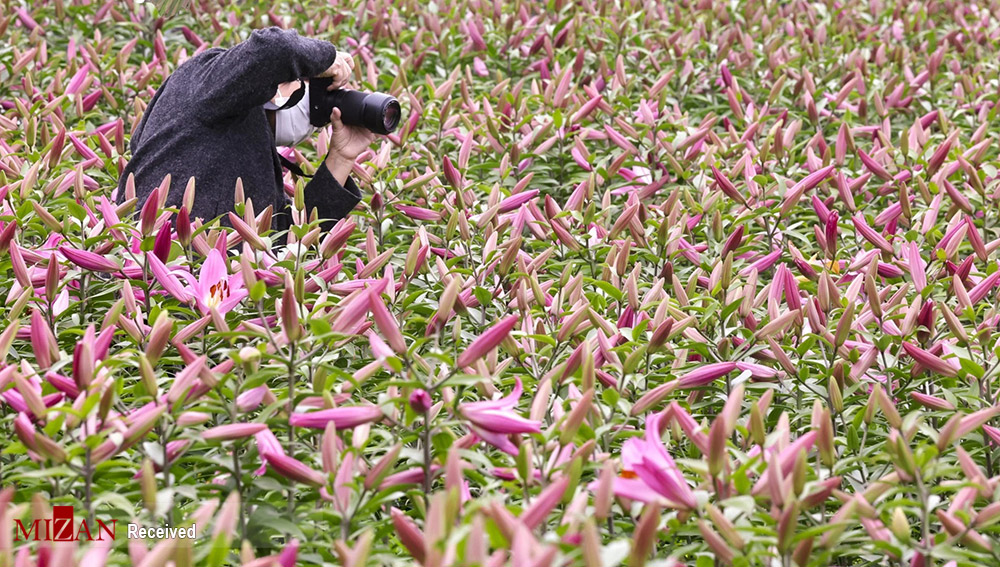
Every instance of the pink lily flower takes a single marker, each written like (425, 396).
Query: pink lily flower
(494, 420)
(213, 287)
(649, 474)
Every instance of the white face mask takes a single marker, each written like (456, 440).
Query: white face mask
(291, 125)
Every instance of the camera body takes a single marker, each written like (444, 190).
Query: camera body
(377, 112)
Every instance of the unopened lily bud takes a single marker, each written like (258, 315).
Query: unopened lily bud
(107, 398)
(150, 210)
(147, 484)
(159, 336)
(147, 375)
(249, 359)
(410, 264)
(290, 314)
(420, 401)
(328, 448)
(844, 325)
(725, 527)
(870, 406)
(717, 225)
(717, 447)
(954, 325)
(899, 526)
(644, 537)
(525, 466)
(52, 280)
(802, 552)
(955, 527)
(727, 271)
(888, 407)
(49, 448)
(383, 467)
(189, 193)
(591, 545)
(509, 255)
(988, 516)
(587, 372)
(718, 546)
(660, 334)
(823, 293)
(183, 226)
(787, 524)
(161, 245)
(836, 398)
(872, 292)
(800, 472)
(733, 242)
(824, 439)
(604, 496)
(756, 425)
(575, 418)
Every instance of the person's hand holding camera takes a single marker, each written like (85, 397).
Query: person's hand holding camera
(346, 144)
(340, 71)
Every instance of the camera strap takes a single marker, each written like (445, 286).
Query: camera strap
(291, 101)
(292, 166)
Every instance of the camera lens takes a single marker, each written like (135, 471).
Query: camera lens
(378, 112)
(390, 117)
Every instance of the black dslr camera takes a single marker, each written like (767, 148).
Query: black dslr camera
(377, 112)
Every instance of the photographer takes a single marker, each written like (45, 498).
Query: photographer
(213, 119)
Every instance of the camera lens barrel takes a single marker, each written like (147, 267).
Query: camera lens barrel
(377, 112)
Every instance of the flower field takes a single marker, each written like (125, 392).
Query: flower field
(634, 283)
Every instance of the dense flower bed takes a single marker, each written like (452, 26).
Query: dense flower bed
(697, 283)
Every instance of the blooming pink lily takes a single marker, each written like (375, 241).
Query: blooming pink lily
(214, 287)
(649, 473)
(494, 420)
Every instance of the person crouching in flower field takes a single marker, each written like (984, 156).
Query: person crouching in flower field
(219, 117)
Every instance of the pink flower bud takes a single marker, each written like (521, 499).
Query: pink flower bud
(420, 401)
(184, 228)
(161, 246)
